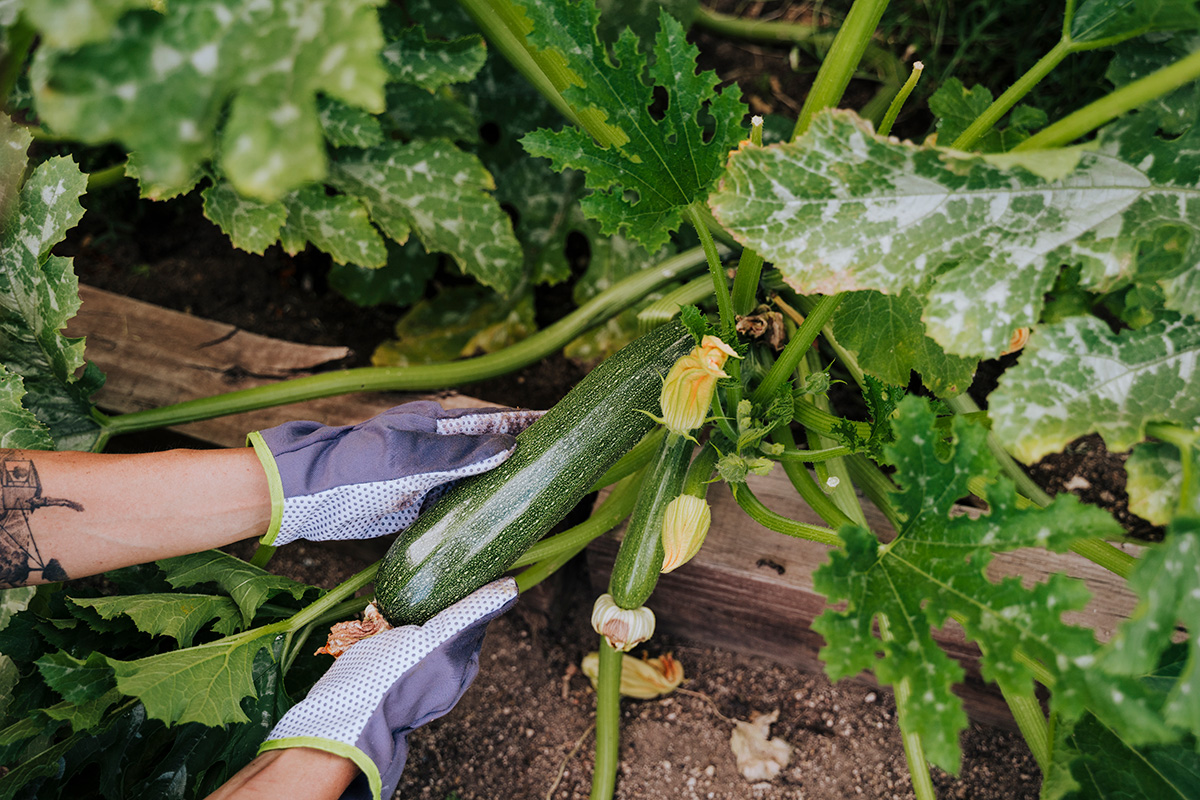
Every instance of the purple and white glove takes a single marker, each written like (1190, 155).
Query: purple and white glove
(370, 479)
(385, 686)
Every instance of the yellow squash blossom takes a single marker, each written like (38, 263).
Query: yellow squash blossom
(688, 389)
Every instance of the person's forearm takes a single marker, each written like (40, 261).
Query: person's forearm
(297, 772)
(68, 514)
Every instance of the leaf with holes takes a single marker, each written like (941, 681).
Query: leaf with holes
(934, 570)
(980, 239)
(1077, 377)
(667, 163)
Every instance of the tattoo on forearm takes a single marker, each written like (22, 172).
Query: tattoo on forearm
(20, 497)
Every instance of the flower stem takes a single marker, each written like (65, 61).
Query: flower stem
(841, 61)
(777, 522)
(419, 378)
(898, 101)
(608, 721)
(1113, 105)
(715, 268)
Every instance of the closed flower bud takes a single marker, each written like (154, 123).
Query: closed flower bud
(688, 389)
(685, 524)
(624, 628)
(643, 678)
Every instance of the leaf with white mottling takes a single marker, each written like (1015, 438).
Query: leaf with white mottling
(347, 126)
(38, 295)
(411, 57)
(1154, 476)
(669, 162)
(1077, 377)
(981, 239)
(400, 282)
(1095, 21)
(251, 225)
(887, 335)
(441, 193)
(70, 23)
(335, 224)
(1167, 581)
(238, 77)
(1176, 111)
(19, 428)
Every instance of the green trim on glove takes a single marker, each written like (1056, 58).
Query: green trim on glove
(360, 759)
(274, 484)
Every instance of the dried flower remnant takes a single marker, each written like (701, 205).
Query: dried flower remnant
(688, 389)
(624, 628)
(344, 634)
(643, 678)
(764, 324)
(758, 757)
(686, 521)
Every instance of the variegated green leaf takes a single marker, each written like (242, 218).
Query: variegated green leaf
(1174, 112)
(251, 225)
(1096, 21)
(347, 126)
(460, 322)
(1077, 377)
(180, 84)
(888, 337)
(935, 569)
(70, 23)
(1154, 476)
(979, 238)
(38, 296)
(411, 57)
(19, 428)
(441, 193)
(667, 163)
(335, 224)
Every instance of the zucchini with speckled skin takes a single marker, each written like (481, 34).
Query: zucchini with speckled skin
(477, 529)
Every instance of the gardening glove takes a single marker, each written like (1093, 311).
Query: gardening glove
(367, 480)
(389, 684)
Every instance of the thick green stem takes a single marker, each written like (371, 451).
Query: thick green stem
(898, 101)
(1111, 106)
(810, 456)
(505, 27)
(419, 378)
(992, 114)
(805, 486)
(757, 29)
(777, 522)
(604, 518)
(750, 264)
(715, 268)
(1027, 711)
(608, 721)
(815, 419)
(875, 485)
(797, 347)
(665, 308)
(842, 60)
(914, 750)
(105, 177)
(832, 474)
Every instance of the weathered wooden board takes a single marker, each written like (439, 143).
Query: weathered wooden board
(153, 357)
(750, 589)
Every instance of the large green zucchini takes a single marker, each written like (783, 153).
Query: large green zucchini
(476, 530)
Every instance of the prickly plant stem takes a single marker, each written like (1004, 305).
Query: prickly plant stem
(750, 264)
(771, 520)
(608, 721)
(898, 101)
(1113, 105)
(842, 60)
(715, 268)
(914, 750)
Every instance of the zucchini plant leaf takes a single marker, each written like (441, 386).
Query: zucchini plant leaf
(441, 193)
(1154, 480)
(39, 294)
(1096, 21)
(1167, 581)
(642, 184)
(180, 616)
(346, 126)
(1091, 761)
(77, 680)
(980, 239)
(248, 585)
(187, 82)
(67, 24)
(1176, 111)
(411, 57)
(401, 281)
(1077, 377)
(166, 683)
(19, 428)
(881, 400)
(460, 322)
(956, 107)
(251, 225)
(886, 334)
(934, 570)
(335, 224)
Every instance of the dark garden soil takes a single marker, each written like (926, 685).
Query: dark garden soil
(522, 731)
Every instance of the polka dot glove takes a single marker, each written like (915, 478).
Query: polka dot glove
(367, 480)
(387, 685)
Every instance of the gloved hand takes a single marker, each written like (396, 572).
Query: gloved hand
(389, 684)
(367, 480)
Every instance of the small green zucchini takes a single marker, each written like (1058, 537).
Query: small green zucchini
(476, 530)
(640, 559)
